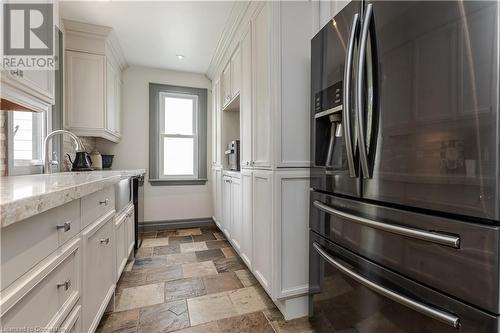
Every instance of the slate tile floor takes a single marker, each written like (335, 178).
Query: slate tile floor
(192, 281)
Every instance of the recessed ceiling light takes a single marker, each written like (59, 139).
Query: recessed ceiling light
(180, 56)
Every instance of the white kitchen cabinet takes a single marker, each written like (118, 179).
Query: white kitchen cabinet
(231, 79)
(46, 294)
(216, 124)
(246, 100)
(98, 270)
(85, 91)
(246, 217)
(236, 216)
(121, 243)
(93, 77)
(218, 190)
(261, 111)
(226, 206)
(262, 212)
(225, 85)
(291, 230)
(61, 266)
(231, 207)
(236, 72)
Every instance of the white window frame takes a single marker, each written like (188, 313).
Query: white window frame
(162, 135)
(26, 167)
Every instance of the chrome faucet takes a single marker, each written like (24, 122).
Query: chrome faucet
(46, 161)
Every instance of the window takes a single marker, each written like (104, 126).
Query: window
(177, 135)
(26, 131)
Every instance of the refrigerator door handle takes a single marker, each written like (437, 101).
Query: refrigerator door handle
(346, 114)
(363, 156)
(428, 236)
(435, 313)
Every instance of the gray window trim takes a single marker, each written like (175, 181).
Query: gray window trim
(154, 128)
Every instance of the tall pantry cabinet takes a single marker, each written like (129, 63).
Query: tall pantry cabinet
(271, 227)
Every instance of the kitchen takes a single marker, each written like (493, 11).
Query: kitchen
(250, 167)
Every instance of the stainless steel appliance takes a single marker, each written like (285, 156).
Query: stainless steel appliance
(233, 155)
(404, 217)
(138, 199)
(123, 194)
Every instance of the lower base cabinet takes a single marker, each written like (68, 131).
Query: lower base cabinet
(246, 218)
(43, 298)
(125, 237)
(262, 212)
(61, 274)
(98, 280)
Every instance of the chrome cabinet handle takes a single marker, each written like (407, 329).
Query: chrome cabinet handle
(66, 226)
(346, 110)
(442, 316)
(104, 241)
(363, 157)
(428, 236)
(104, 202)
(66, 284)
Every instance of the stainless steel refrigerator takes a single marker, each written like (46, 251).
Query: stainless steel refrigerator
(404, 217)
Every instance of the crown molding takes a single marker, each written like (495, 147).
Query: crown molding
(233, 22)
(104, 34)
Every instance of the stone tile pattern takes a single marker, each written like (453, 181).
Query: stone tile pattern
(192, 281)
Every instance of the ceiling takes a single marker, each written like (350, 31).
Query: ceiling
(152, 33)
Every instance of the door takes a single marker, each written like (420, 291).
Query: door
(236, 217)
(434, 92)
(246, 100)
(85, 78)
(349, 293)
(262, 213)
(121, 244)
(226, 206)
(261, 106)
(246, 217)
(333, 120)
(98, 271)
(218, 189)
(111, 98)
(118, 102)
(225, 84)
(236, 72)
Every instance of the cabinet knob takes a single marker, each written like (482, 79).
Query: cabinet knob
(66, 226)
(105, 241)
(104, 202)
(66, 285)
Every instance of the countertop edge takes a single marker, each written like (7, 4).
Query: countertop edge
(21, 209)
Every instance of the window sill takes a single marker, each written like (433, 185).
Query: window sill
(177, 182)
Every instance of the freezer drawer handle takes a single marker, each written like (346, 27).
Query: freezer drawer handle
(442, 316)
(433, 237)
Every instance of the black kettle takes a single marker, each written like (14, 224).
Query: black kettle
(82, 161)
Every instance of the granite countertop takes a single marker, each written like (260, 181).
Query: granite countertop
(25, 196)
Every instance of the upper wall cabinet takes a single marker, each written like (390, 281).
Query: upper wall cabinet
(231, 79)
(93, 81)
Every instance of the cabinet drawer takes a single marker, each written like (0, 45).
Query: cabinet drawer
(97, 205)
(98, 270)
(45, 295)
(73, 323)
(26, 243)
